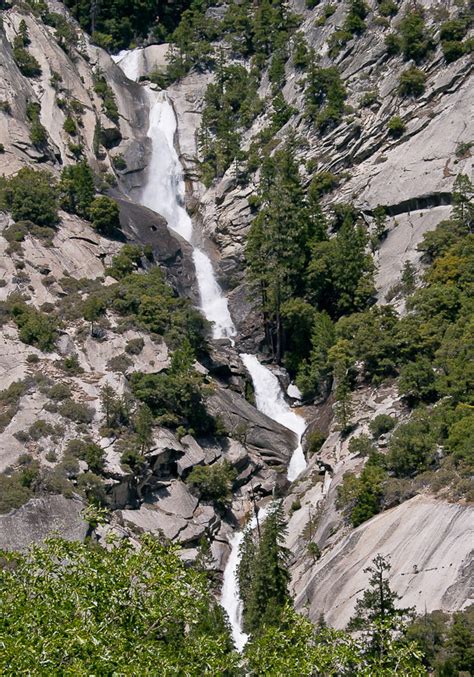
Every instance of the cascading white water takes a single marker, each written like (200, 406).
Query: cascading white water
(230, 596)
(129, 62)
(270, 401)
(165, 193)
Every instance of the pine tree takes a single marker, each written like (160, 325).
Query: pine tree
(268, 594)
(143, 425)
(277, 247)
(375, 612)
(463, 210)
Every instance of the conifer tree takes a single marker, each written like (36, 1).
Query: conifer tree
(267, 573)
(375, 612)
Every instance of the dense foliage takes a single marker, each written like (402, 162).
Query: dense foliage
(81, 609)
(118, 24)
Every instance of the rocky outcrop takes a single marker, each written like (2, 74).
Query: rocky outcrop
(40, 518)
(430, 545)
(273, 442)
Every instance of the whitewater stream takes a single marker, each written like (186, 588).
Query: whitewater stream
(164, 193)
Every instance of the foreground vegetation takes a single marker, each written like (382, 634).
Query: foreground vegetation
(83, 609)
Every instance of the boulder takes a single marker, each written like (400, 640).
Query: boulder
(272, 441)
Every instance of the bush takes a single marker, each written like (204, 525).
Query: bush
(13, 493)
(213, 482)
(119, 363)
(453, 50)
(369, 98)
(59, 392)
(134, 346)
(412, 82)
(70, 126)
(125, 262)
(393, 44)
(105, 215)
(119, 162)
(416, 42)
(76, 411)
(361, 445)
(26, 62)
(34, 327)
(322, 183)
(31, 196)
(382, 424)
(76, 189)
(388, 8)
(316, 439)
(412, 448)
(396, 127)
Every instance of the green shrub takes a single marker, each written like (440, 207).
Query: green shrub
(369, 98)
(34, 327)
(417, 381)
(134, 346)
(453, 30)
(125, 262)
(26, 62)
(396, 127)
(105, 215)
(416, 42)
(213, 482)
(70, 126)
(71, 365)
(381, 424)
(13, 493)
(2, 148)
(119, 162)
(412, 448)
(324, 97)
(361, 445)
(31, 195)
(120, 363)
(393, 44)
(76, 189)
(59, 391)
(5, 107)
(388, 8)
(322, 183)
(453, 50)
(107, 95)
(412, 82)
(76, 411)
(315, 441)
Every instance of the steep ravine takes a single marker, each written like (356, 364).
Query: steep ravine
(164, 192)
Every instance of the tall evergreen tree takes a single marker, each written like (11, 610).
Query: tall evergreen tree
(277, 248)
(375, 611)
(265, 573)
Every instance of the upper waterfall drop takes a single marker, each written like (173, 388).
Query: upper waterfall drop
(270, 401)
(165, 193)
(129, 61)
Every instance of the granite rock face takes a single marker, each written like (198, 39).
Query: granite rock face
(430, 546)
(40, 518)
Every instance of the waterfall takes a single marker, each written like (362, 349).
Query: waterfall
(271, 401)
(165, 194)
(129, 62)
(230, 596)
